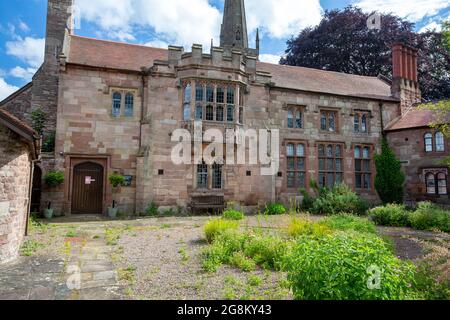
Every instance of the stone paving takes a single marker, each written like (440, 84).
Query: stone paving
(87, 273)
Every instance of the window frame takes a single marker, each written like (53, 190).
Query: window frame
(441, 146)
(360, 121)
(127, 105)
(362, 172)
(116, 97)
(334, 158)
(328, 113)
(428, 142)
(296, 170)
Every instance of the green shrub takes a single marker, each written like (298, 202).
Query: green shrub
(429, 217)
(231, 214)
(390, 177)
(340, 267)
(298, 227)
(340, 199)
(347, 222)
(54, 178)
(393, 215)
(267, 251)
(116, 179)
(239, 260)
(308, 201)
(217, 226)
(152, 210)
(273, 209)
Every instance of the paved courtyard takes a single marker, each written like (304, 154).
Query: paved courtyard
(147, 259)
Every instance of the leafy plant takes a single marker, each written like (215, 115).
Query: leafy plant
(217, 226)
(346, 222)
(54, 179)
(273, 209)
(340, 199)
(38, 120)
(30, 247)
(299, 226)
(231, 214)
(390, 178)
(116, 179)
(429, 216)
(393, 215)
(152, 210)
(308, 201)
(347, 267)
(48, 144)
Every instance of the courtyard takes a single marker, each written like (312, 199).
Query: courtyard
(92, 258)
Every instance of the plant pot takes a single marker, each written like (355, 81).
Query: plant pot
(112, 212)
(48, 213)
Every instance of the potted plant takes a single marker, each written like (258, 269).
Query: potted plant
(53, 179)
(116, 180)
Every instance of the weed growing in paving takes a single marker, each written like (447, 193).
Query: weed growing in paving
(127, 274)
(30, 247)
(184, 256)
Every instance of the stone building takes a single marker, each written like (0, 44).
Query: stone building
(118, 107)
(19, 148)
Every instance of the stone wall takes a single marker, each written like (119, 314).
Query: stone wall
(14, 193)
(409, 146)
(19, 104)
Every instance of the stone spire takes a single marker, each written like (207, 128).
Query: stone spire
(234, 26)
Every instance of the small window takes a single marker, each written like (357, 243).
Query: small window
(187, 93)
(220, 95)
(328, 121)
(442, 184)
(199, 93)
(364, 123)
(230, 113)
(431, 183)
(219, 114)
(299, 119)
(209, 113)
(209, 94)
(295, 167)
(202, 176)
(187, 112)
(360, 122)
(129, 105)
(199, 113)
(117, 102)
(217, 176)
(230, 95)
(429, 142)
(440, 142)
(356, 123)
(290, 119)
(363, 171)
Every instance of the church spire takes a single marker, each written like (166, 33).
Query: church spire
(234, 26)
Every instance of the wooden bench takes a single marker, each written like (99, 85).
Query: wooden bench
(207, 203)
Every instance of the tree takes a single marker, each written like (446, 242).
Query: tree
(446, 34)
(343, 43)
(390, 178)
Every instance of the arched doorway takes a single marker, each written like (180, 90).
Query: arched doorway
(36, 190)
(87, 189)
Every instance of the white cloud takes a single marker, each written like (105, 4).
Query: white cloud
(157, 44)
(431, 27)
(24, 27)
(270, 58)
(121, 35)
(183, 22)
(23, 73)
(412, 10)
(6, 89)
(282, 18)
(29, 50)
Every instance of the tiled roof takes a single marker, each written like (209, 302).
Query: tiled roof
(21, 128)
(314, 80)
(114, 55)
(122, 56)
(413, 118)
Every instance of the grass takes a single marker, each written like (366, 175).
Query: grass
(127, 274)
(346, 222)
(184, 256)
(112, 235)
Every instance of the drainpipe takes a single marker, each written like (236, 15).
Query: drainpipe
(383, 133)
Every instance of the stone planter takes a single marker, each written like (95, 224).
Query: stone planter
(48, 213)
(112, 212)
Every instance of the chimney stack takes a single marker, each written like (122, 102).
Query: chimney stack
(405, 75)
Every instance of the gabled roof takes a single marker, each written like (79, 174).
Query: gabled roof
(414, 118)
(131, 57)
(22, 129)
(113, 55)
(15, 94)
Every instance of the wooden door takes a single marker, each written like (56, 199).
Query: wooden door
(87, 191)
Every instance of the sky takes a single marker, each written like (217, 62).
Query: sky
(179, 22)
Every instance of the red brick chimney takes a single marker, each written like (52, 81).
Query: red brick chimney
(405, 84)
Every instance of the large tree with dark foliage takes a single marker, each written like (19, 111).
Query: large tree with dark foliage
(342, 42)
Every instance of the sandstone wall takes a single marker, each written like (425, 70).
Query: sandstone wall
(14, 193)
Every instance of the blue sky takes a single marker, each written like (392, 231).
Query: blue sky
(180, 22)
